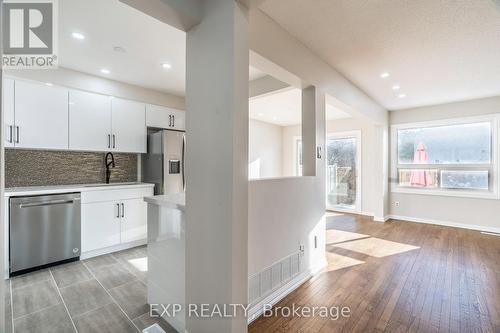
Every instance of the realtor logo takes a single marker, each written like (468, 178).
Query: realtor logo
(29, 34)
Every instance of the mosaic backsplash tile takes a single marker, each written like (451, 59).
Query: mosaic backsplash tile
(44, 167)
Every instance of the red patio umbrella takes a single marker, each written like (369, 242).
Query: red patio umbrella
(421, 178)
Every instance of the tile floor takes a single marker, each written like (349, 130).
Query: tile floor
(101, 294)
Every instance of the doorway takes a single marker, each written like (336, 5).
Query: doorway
(343, 184)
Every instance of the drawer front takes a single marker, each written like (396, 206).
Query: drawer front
(113, 195)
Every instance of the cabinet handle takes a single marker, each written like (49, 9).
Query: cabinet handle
(17, 134)
(114, 141)
(173, 121)
(11, 135)
(109, 140)
(169, 120)
(118, 206)
(123, 210)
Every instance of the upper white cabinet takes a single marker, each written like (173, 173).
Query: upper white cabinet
(8, 112)
(128, 126)
(89, 121)
(163, 117)
(41, 116)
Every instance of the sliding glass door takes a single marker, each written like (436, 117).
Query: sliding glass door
(343, 166)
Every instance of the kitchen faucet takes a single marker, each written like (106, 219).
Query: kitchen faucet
(108, 164)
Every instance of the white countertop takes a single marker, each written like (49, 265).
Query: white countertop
(175, 200)
(36, 190)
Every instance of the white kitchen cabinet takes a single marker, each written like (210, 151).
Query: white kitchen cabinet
(100, 225)
(134, 220)
(113, 217)
(41, 116)
(8, 112)
(163, 117)
(89, 121)
(128, 126)
(179, 120)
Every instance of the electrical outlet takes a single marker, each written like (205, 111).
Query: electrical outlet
(396, 203)
(302, 249)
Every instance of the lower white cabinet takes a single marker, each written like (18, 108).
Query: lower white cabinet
(100, 225)
(113, 217)
(134, 220)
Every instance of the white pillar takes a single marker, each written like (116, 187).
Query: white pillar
(217, 163)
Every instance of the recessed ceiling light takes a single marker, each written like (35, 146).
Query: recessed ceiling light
(384, 75)
(49, 84)
(402, 95)
(260, 114)
(275, 118)
(396, 87)
(166, 65)
(105, 71)
(78, 35)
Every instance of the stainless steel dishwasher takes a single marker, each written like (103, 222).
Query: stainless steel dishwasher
(44, 230)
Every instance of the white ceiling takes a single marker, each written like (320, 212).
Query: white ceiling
(284, 108)
(438, 51)
(148, 44)
(110, 23)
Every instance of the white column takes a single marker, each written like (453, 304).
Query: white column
(217, 163)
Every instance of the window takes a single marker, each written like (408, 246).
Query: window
(449, 157)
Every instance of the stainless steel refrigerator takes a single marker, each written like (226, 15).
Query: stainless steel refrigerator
(163, 164)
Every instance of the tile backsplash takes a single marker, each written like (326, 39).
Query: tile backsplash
(43, 167)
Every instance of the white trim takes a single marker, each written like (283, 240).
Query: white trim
(381, 219)
(358, 135)
(111, 249)
(445, 223)
(495, 158)
(256, 310)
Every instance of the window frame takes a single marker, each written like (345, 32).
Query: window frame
(492, 193)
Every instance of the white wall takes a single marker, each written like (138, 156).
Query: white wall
(290, 134)
(469, 212)
(265, 150)
(285, 213)
(82, 81)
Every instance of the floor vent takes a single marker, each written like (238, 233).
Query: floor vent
(155, 328)
(273, 277)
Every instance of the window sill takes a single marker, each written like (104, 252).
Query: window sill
(442, 193)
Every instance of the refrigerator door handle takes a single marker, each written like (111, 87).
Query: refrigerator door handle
(182, 162)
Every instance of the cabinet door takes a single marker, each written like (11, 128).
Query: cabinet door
(179, 120)
(163, 117)
(41, 116)
(134, 220)
(89, 121)
(129, 126)
(100, 225)
(8, 109)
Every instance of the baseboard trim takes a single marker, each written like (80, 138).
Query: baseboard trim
(256, 310)
(445, 223)
(380, 219)
(111, 249)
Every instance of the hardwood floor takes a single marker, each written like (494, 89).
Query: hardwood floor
(400, 277)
